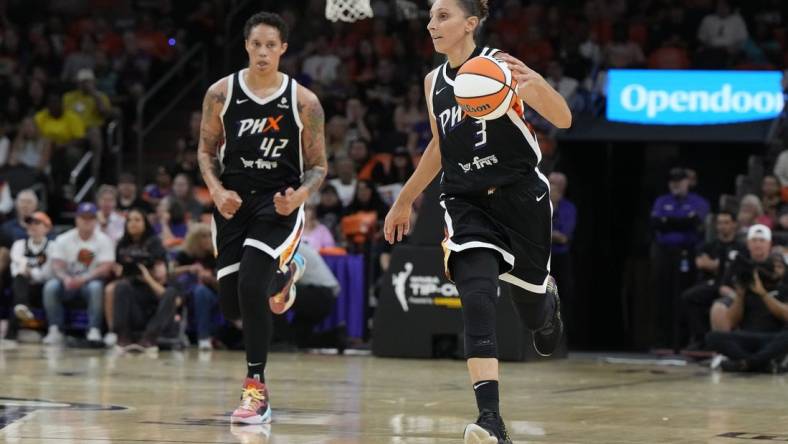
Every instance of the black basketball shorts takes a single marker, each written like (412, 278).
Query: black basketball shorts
(256, 224)
(513, 220)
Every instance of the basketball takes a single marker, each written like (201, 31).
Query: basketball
(484, 88)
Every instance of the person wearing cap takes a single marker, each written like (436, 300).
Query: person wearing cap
(677, 219)
(91, 105)
(81, 259)
(31, 267)
(750, 320)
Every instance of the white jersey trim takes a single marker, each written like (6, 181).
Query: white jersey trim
(264, 100)
(297, 118)
(529, 137)
(276, 252)
(229, 97)
(230, 269)
(434, 80)
(446, 76)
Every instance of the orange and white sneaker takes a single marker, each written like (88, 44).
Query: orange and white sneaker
(254, 408)
(283, 299)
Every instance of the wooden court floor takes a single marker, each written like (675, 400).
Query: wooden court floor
(85, 396)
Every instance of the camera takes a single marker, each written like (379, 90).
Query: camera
(743, 268)
(130, 260)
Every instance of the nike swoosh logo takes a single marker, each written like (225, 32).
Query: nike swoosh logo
(240, 101)
(476, 386)
(252, 364)
(541, 197)
(439, 91)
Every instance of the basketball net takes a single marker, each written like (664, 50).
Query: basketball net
(348, 10)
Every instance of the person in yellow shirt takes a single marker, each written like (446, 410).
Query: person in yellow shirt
(59, 125)
(90, 104)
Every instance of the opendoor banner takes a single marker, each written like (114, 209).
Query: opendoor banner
(684, 97)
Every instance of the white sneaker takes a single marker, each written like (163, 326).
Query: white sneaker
(54, 337)
(94, 335)
(110, 339)
(23, 313)
(716, 362)
(204, 345)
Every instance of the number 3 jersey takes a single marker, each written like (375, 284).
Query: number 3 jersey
(479, 154)
(262, 147)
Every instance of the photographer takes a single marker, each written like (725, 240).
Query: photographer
(749, 320)
(144, 305)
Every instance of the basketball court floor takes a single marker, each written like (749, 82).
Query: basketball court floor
(86, 396)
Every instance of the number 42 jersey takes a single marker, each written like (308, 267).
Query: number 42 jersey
(262, 148)
(479, 154)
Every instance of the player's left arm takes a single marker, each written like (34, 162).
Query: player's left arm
(313, 146)
(537, 93)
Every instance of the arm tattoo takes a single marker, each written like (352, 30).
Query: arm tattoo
(210, 137)
(314, 146)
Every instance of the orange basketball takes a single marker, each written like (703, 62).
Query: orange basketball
(484, 88)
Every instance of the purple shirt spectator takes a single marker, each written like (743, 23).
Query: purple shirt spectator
(319, 237)
(564, 220)
(679, 217)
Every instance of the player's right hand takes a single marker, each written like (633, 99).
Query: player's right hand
(227, 202)
(397, 222)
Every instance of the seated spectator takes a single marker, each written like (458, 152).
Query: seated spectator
(367, 199)
(770, 197)
(355, 111)
(186, 150)
(724, 29)
(5, 142)
(26, 204)
(711, 262)
(81, 259)
(622, 52)
(749, 320)
(317, 291)
(144, 305)
(317, 235)
(751, 213)
(183, 193)
(110, 221)
(155, 192)
(564, 221)
(59, 125)
(329, 211)
(171, 225)
(566, 86)
(197, 264)
(781, 171)
(345, 182)
(360, 155)
(29, 148)
(127, 195)
(31, 267)
(83, 58)
(390, 178)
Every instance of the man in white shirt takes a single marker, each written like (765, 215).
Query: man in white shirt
(81, 258)
(345, 182)
(723, 29)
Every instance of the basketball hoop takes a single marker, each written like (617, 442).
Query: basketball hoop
(348, 10)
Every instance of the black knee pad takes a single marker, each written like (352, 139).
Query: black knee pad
(479, 296)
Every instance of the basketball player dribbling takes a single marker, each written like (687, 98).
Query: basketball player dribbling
(498, 214)
(273, 157)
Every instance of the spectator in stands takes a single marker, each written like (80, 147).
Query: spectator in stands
(677, 219)
(195, 267)
(711, 262)
(329, 211)
(84, 58)
(144, 305)
(186, 154)
(31, 267)
(315, 233)
(360, 155)
(171, 225)
(29, 148)
(111, 222)
(564, 220)
(336, 137)
(155, 192)
(724, 29)
(770, 197)
(401, 135)
(317, 292)
(670, 55)
(622, 52)
(749, 321)
(750, 213)
(355, 111)
(321, 65)
(566, 86)
(5, 142)
(93, 108)
(59, 125)
(392, 176)
(127, 195)
(367, 199)
(781, 171)
(26, 204)
(345, 182)
(183, 193)
(81, 259)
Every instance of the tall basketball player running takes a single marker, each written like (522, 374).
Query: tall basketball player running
(272, 158)
(497, 213)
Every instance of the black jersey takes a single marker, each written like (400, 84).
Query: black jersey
(479, 154)
(262, 147)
